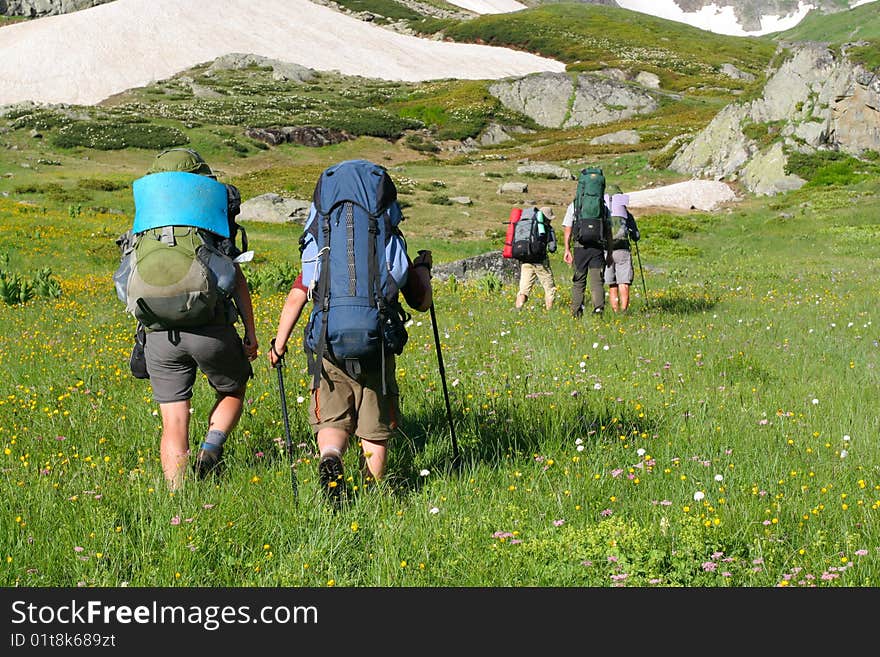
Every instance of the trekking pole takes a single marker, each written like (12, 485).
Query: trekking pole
(445, 391)
(288, 442)
(644, 289)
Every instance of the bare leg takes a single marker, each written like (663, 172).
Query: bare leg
(520, 300)
(174, 446)
(616, 301)
(227, 411)
(375, 454)
(624, 296)
(332, 441)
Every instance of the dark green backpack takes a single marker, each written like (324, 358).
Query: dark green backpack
(590, 212)
(177, 278)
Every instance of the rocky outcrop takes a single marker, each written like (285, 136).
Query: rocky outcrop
(478, 266)
(619, 137)
(275, 209)
(314, 136)
(281, 71)
(817, 99)
(37, 8)
(545, 170)
(556, 100)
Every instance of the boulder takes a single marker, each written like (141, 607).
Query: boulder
(513, 187)
(275, 209)
(545, 170)
(478, 266)
(619, 137)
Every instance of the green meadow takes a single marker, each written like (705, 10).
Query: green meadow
(722, 433)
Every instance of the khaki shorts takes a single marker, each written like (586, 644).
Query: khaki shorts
(358, 407)
(532, 272)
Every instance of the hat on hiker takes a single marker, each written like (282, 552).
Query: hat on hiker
(181, 159)
(614, 189)
(547, 212)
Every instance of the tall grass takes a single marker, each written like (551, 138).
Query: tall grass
(722, 433)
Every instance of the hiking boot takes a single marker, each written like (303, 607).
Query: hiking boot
(332, 478)
(208, 460)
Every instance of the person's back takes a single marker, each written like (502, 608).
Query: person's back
(354, 263)
(619, 271)
(587, 257)
(182, 212)
(535, 266)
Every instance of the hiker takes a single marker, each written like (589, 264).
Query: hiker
(351, 394)
(537, 269)
(619, 274)
(209, 342)
(588, 261)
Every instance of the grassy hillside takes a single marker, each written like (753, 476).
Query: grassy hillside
(719, 434)
(51, 150)
(592, 37)
(861, 25)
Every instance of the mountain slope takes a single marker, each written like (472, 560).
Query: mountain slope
(86, 56)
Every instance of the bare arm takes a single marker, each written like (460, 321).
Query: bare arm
(566, 243)
(290, 314)
(246, 309)
(417, 291)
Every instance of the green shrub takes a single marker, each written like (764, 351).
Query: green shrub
(662, 159)
(385, 11)
(418, 143)
(101, 184)
(371, 122)
(826, 168)
(275, 277)
(439, 199)
(36, 118)
(114, 136)
(17, 289)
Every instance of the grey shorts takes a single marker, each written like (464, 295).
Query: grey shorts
(215, 350)
(622, 269)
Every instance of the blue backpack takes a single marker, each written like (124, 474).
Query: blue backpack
(354, 257)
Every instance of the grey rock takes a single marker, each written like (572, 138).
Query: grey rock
(273, 208)
(38, 8)
(619, 137)
(478, 266)
(546, 170)
(821, 99)
(280, 70)
(543, 96)
(732, 71)
(494, 134)
(598, 100)
(592, 99)
(314, 136)
(648, 79)
(513, 187)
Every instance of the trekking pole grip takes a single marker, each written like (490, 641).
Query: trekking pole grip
(280, 357)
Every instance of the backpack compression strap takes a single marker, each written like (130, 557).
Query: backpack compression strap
(315, 358)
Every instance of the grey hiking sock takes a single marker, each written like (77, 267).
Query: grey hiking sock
(214, 440)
